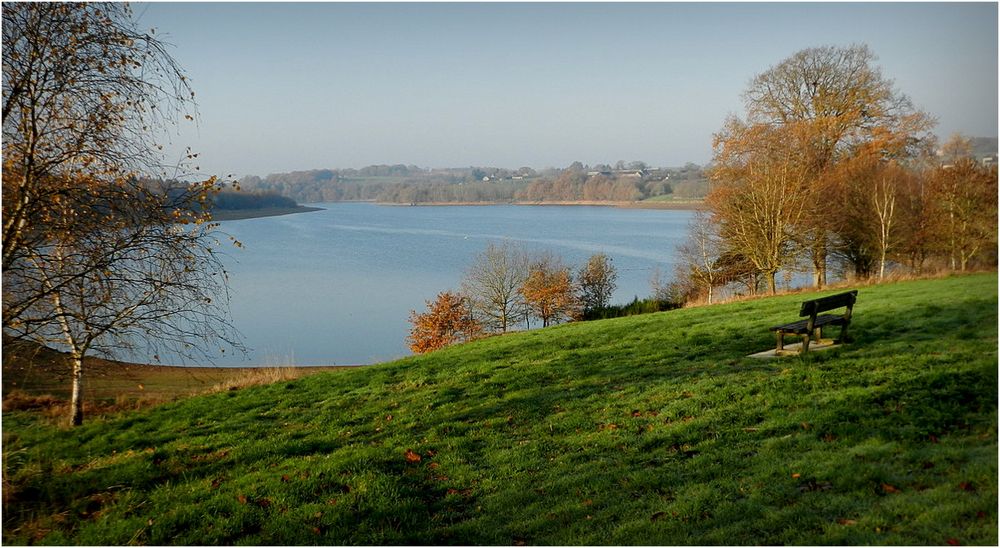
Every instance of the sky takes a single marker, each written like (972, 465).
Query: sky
(297, 86)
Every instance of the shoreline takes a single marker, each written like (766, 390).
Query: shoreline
(241, 214)
(686, 205)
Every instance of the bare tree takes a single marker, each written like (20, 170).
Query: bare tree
(94, 259)
(964, 210)
(493, 282)
(867, 223)
(700, 254)
(597, 281)
(148, 285)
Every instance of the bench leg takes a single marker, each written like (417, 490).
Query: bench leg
(843, 334)
(780, 336)
(818, 333)
(805, 343)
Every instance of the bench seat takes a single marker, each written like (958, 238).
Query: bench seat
(802, 327)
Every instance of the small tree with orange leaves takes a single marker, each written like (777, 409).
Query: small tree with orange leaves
(448, 320)
(549, 293)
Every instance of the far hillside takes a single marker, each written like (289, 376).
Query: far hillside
(648, 430)
(399, 184)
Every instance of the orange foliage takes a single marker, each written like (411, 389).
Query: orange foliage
(448, 320)
(548, 293)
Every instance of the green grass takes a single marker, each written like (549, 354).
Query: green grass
(651, 429)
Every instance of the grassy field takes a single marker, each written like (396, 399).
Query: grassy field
(39, 378)
(651, 429)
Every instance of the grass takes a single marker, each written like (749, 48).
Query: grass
(38, 378)
(652, 429)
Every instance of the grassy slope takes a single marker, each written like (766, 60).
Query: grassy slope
(645, 430)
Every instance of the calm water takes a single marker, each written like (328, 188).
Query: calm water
(337, 286)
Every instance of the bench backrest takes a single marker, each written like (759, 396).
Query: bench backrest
(823, 304)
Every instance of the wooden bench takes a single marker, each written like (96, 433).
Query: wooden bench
(812, 327)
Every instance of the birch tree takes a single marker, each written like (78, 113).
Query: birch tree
(963, 199)
(94, 259)
(701, 252)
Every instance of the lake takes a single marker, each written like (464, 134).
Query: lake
(336, 287)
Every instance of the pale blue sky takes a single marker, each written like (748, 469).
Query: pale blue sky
(284, 87)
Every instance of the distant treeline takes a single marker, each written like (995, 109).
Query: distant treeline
(239, 199)
(411, 184)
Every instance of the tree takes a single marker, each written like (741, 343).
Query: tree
(95, 260)
(548, 292)
(868, 219)
(963, 199)
(597, 281)
(762, 196)
(82, 90)
(447, 321)
(493, 282)
(838, 99)
(700, 254)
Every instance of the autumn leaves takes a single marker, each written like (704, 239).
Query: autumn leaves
(505, 287)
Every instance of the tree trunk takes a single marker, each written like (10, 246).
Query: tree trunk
(819, 265)
(76, 401)
(771, 285)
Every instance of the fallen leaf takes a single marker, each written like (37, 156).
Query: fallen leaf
(966, 486)
(316, 530)
(889, 488)
(636, 413)
(332, 502)
(796, 476)
(433, 465)
(953, 542)
(843, 521)
(657, 515)
(412, 456)
(263, 503)
(588, 502)
(285, 478)
(242, 499)
(388, 417)
(318, 515)
(431, 453)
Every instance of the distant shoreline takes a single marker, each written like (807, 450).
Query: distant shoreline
(240, 214)
(686, 206)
